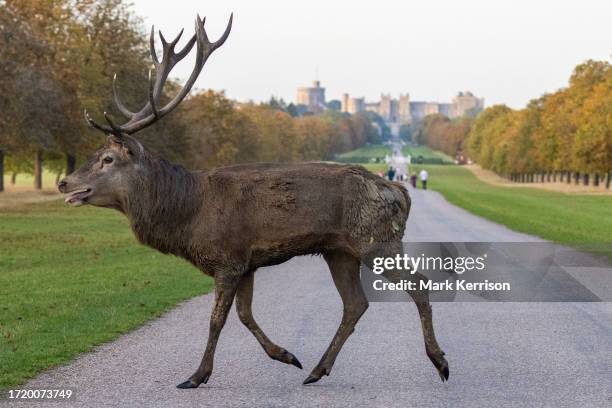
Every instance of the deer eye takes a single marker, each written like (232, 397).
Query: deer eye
(107, 160)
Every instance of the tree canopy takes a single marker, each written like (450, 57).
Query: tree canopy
(58, 57)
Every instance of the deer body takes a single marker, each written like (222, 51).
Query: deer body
(231, 221)
(255, 215)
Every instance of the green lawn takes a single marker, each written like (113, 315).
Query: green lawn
(27, 180)
(566, 218)
(71, 279)
(376, 167)
(365, 153)
(426, 152)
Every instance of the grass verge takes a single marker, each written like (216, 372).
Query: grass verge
(366, 152)
(426, 152)
(71, 279)
(565, 218)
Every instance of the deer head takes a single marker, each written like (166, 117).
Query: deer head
(104, 180)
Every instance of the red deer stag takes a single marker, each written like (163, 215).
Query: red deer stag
(230, 221)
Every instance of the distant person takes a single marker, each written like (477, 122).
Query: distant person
(413, 178)
(391, 173)
(423, 175)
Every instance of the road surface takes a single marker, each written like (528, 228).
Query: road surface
(500, 354)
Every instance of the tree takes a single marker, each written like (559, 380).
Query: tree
(217, 133)
(314, 134)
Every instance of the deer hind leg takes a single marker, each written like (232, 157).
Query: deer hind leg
(244, 299)
(225, 289)
(345, 273)
(435, 354)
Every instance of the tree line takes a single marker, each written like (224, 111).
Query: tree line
(565, 136)
(443, 134)
(58, 57)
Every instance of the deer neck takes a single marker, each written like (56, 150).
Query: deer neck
(162, 204)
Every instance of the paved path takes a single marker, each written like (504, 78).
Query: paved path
(500, 354)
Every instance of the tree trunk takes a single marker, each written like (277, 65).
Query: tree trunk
(569, 177)
(38, 170)
(554, 177)
(70, 163)
(13, 178)
(577, 178)
(1, 170)
(596, 180)
(585, 179)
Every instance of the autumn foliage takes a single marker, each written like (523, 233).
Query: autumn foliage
(59, 57)
(564, 135)
(567, 132)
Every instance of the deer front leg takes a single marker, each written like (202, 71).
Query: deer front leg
(224, 296)
(244, 300)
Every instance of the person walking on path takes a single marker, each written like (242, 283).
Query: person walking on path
(413, 179)
(391, 173)
(424, 175)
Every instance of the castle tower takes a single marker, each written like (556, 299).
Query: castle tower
(404, 109)
(345, 103)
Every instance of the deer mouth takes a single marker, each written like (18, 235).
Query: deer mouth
(78, 197)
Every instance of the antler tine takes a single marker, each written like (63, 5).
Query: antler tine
(116, 130)
(226, 33)
(95, 125)
(202, 22)
(151, 96)
(163, 40)
(178, 37)
(152, 46)
(181, 54)
(122, 108)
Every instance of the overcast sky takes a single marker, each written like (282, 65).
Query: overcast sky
(505, 51)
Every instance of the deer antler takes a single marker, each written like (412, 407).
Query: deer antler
(151, 112)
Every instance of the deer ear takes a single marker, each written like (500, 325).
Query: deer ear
(132, 146)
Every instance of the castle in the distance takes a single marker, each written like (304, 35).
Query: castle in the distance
(395, 112)
(405, 111)
(312, 97)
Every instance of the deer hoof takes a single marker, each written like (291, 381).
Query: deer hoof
(444, 373)
(294, 361)
(441, 365)
(187, 384)
(311, 379)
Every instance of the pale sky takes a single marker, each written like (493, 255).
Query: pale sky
(505, 51)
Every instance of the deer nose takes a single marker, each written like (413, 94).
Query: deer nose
(61, 186)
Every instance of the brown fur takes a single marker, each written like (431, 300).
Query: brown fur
(231, 221)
